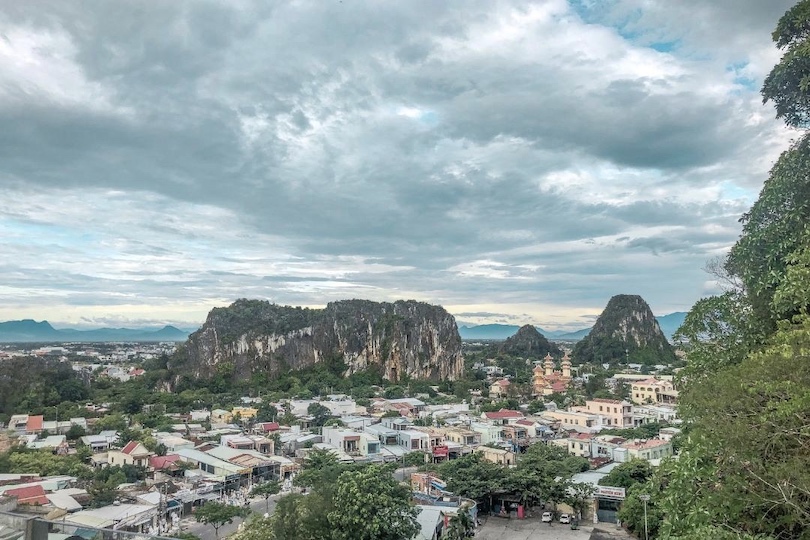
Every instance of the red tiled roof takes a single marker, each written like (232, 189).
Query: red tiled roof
(34, 423)
(503, 382)
(559, 387)
(163, 462)
(525, 422)
(269, 426)
(581, 436)
(29, 495)
(504, 414)
(131, 445)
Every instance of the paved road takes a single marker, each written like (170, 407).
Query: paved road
(206, 532)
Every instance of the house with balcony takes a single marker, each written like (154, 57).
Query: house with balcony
(489, 433)
(604, 446)
(397, 423)
(577, 444)
(653, 390)
(646, 414)
(574, 420)
(463, 436)
(516, 435)
(346, 440)
(412, 440)
(612, 413)
(385, 435)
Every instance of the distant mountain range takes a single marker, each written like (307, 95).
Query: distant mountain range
(668, 323)
(27, 331)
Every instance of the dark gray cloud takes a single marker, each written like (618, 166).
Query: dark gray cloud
(516, 158)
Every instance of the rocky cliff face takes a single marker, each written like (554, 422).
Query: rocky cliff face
(529, 343)
(251, 336)
(625, 331)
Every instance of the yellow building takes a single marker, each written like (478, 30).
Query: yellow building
(499, 388)
(653, 390)
(245, 413)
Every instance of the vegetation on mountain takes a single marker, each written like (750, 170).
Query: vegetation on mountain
(529, 343)
(253, 338)
(29, 383)
(744, 468)
(625, 332)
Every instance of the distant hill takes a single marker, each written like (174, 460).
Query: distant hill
(488, 331)
(528, 343)
(572, 336)
(625, 331)
(28, 331)
(670, 323)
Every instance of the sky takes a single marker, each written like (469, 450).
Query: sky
(516, 162)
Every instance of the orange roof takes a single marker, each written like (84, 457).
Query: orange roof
(29, 494)
(131, 445)
(34, 423)
(163, 462)
(503, 414)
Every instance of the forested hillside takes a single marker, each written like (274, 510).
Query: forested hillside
(744, 471)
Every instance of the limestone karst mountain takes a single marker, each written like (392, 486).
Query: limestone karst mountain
(626, 331)
(404, 338)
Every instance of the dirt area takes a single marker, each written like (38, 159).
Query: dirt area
(5, 442)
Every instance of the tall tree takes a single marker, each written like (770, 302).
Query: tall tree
(371, 505)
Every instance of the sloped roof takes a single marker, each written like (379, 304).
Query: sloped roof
(503, 414)
(29, 494)
(163, 462)
(34, 423)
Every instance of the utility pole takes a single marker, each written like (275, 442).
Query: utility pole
(644, 498)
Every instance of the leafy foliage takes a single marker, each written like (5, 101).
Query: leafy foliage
(371, 505)
(218, 514)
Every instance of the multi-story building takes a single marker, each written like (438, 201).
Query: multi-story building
(653, 390)
(612, 413)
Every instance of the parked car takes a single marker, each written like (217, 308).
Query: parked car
(547, 517)
(565, 518)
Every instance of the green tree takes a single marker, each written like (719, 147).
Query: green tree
(75, 432)
(266, 490)
(415, 459)
(461, 525)
(320, 414)
(371, 505)
(626, 475)
(218, 514)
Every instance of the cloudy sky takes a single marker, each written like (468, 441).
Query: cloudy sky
(514, 161)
